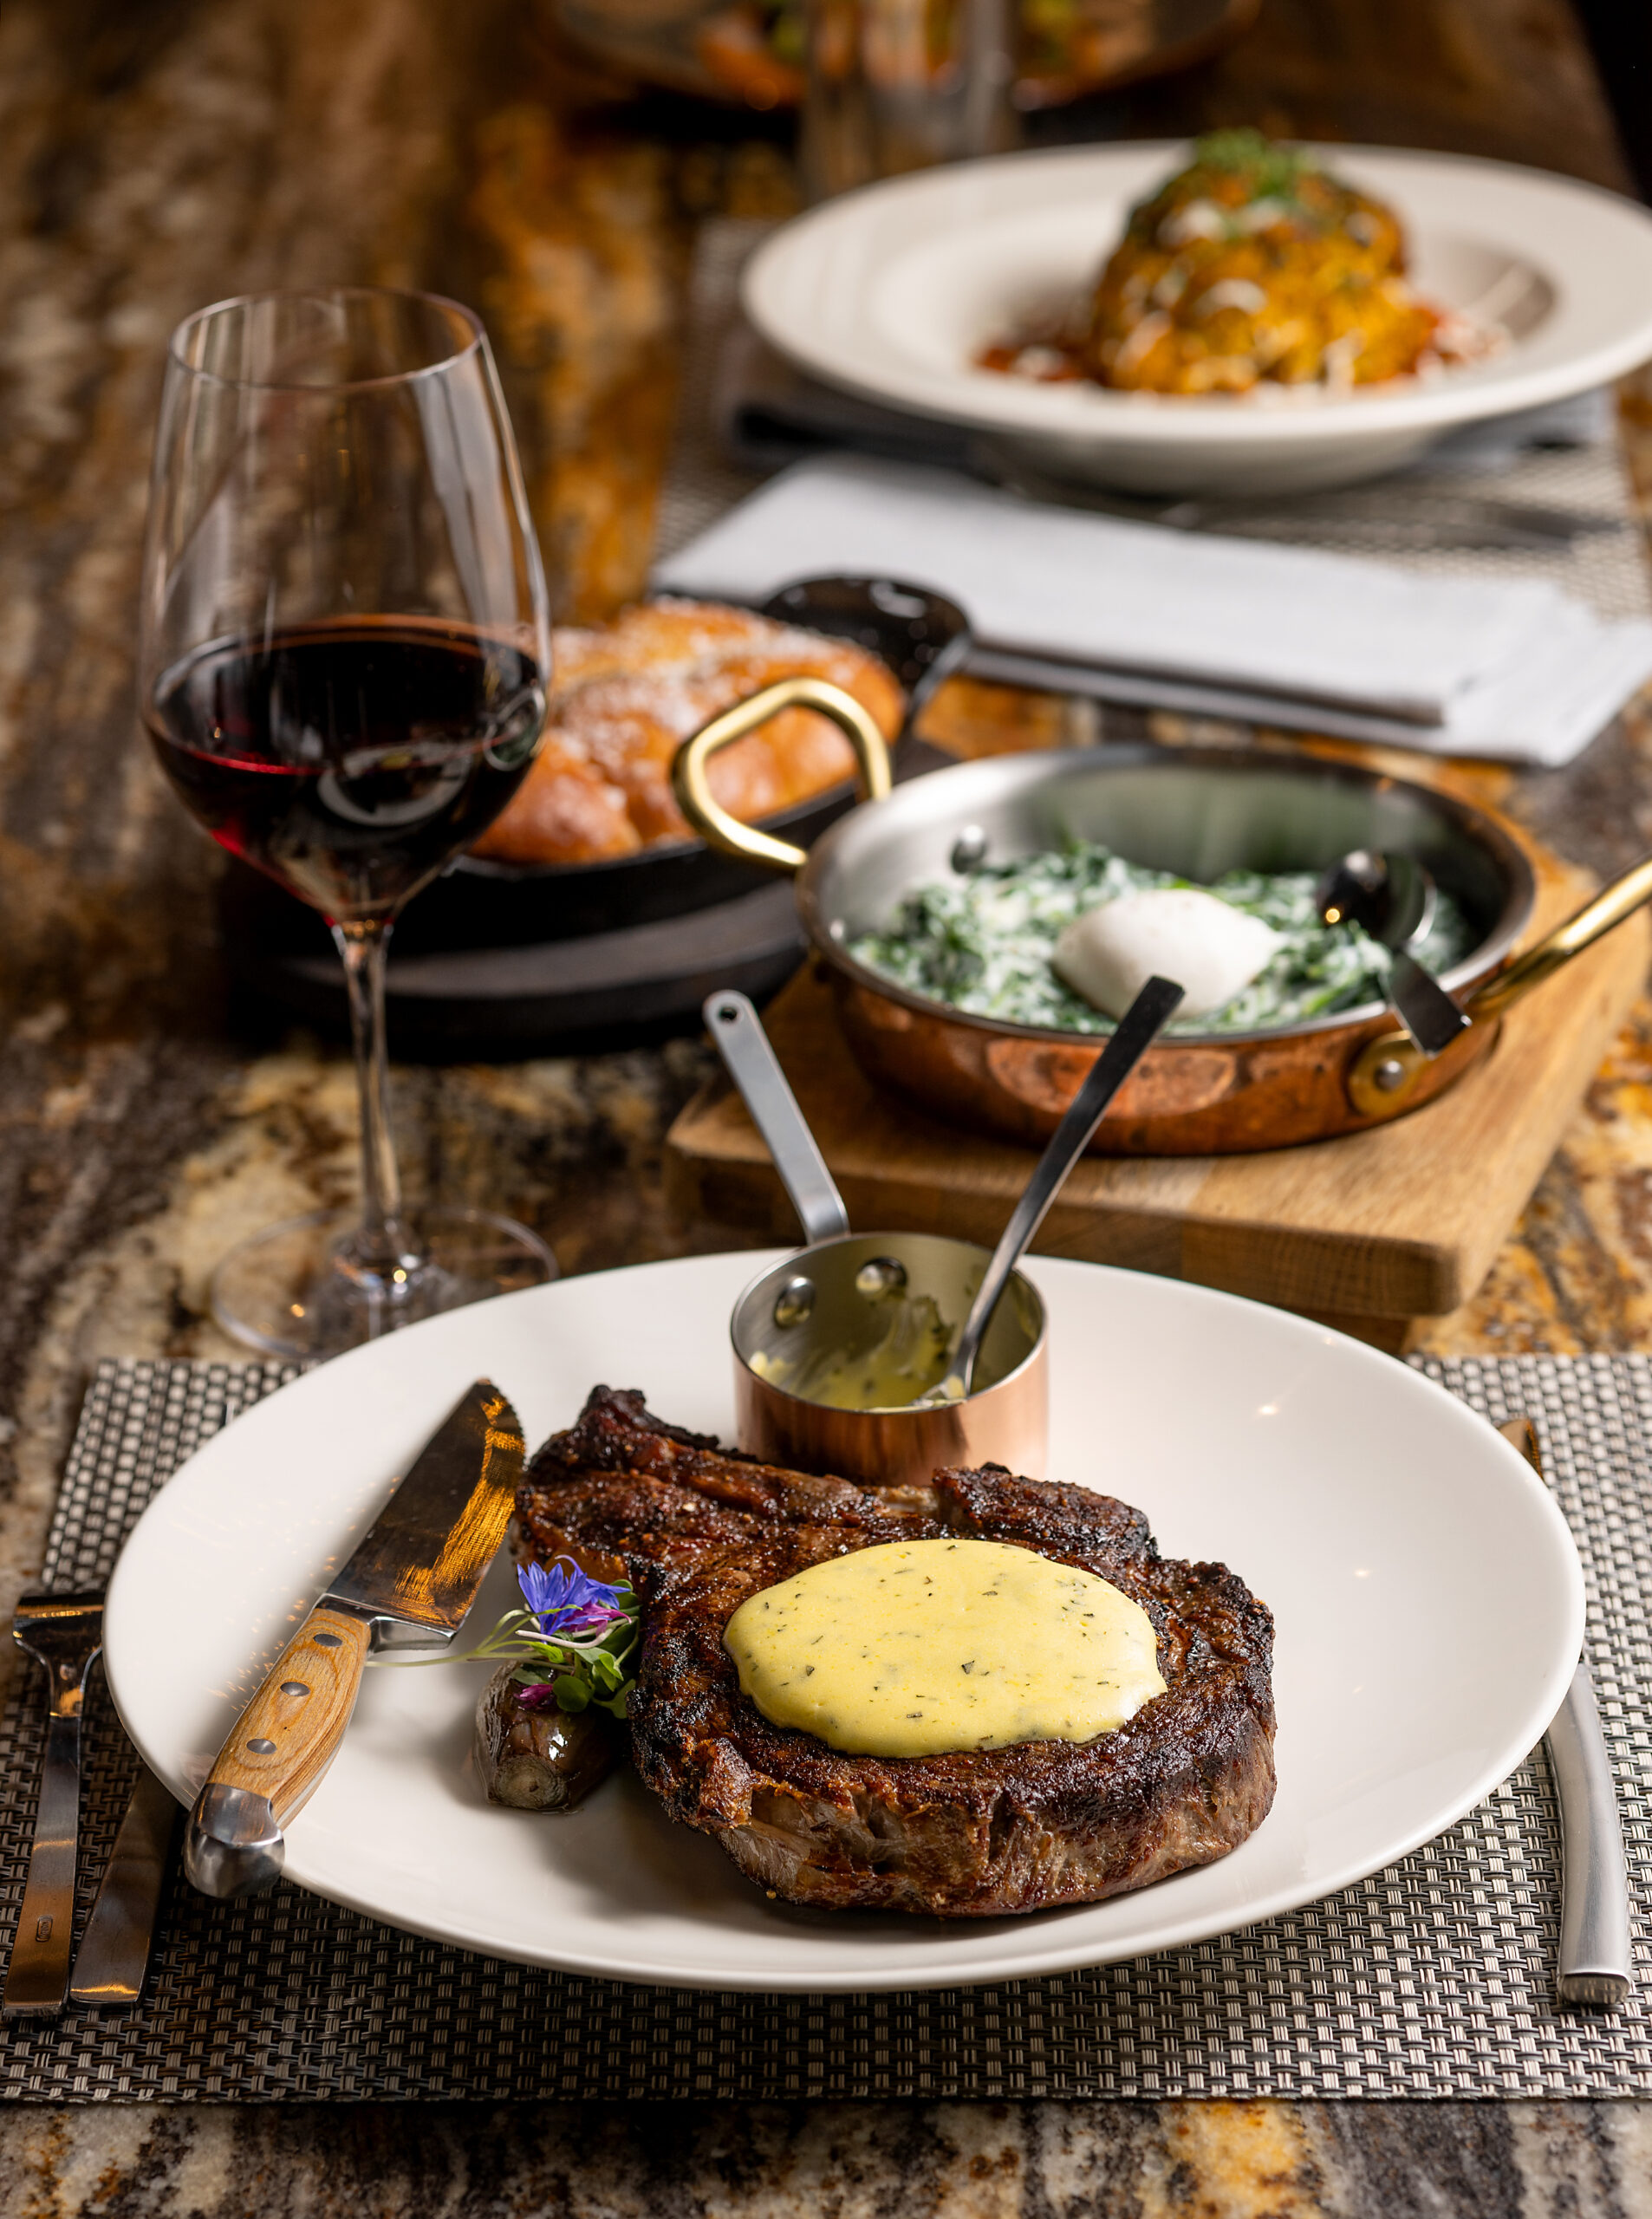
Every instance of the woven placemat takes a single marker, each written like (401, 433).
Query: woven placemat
(1433, 1979)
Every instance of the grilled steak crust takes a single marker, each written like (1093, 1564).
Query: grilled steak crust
(697, 1529)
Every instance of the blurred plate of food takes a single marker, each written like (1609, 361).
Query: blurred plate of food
(1241, 317)
(750, 53)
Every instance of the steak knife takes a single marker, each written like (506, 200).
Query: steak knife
(1596, 1966)
(410, 1585)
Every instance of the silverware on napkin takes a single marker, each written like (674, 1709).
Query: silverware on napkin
(409, 1584)
(1596, 1967)
(63, 1634)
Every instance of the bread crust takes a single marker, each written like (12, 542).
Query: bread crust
(625, 696)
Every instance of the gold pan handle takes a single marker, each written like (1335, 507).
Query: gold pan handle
(1387, 1068)
(692, 761)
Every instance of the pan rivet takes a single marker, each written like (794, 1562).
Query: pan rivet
(325, 1640)
(261, 1747)
(969, 851)
(1389, 1073)
(794, 1302)
(295, 1687)
(883, 1275)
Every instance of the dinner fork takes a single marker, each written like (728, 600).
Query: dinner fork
(64, 1634)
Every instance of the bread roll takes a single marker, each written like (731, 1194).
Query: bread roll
(625, 696)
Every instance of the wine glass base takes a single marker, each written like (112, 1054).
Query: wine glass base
(290, 1291)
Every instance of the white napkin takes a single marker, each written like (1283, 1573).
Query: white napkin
(1134, 612)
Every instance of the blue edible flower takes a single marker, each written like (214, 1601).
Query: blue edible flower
(567, 1602)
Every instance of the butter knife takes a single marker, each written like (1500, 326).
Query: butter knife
(1596, 1967)
(409, 1584)
(113, 1960)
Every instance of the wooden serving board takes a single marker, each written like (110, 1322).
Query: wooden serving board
(1366, 1233)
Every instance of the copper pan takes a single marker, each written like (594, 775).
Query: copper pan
(1198, 812)
(1005, 1420)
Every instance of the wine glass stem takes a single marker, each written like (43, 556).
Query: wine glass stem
(381, 1243)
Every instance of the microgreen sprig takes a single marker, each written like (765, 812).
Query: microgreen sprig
(576, 1641)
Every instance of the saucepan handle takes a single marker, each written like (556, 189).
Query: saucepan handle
(1387, 1068)
(1555, 950)
(692, 761)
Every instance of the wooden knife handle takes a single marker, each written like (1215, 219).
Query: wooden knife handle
(275, 1756)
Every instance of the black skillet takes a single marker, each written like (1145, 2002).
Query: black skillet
(466, 977)
(283, 946)
(481, 903)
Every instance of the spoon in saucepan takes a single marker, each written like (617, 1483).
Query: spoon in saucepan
(1135, 1032)
(1393, 898)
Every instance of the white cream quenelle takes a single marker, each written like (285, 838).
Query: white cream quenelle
(1212, 950)
(913, 1648)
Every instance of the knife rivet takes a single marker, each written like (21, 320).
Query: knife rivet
(260, 1747)
(295, 1687)
(325, 1640)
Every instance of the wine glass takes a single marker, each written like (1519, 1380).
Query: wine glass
(344, 668)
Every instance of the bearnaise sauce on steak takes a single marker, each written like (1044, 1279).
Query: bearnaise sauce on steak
(917, 1649)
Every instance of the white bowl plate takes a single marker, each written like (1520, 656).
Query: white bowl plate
(1428, 1600)
(889, 293)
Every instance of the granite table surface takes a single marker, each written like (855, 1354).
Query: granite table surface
(155, 154)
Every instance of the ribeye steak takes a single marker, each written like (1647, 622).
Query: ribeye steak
(697, 1528)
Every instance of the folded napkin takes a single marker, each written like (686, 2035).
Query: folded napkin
(1132, 612)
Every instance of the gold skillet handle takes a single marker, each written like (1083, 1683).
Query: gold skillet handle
(1388, 1068)
(275, 1756)
(692, 761)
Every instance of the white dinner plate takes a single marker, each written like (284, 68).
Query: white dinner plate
(890, 291)
(1428, 1600)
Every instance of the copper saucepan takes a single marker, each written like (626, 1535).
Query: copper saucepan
(845, 1296)
(1198, 813)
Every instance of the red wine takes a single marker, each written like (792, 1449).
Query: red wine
(351, 759)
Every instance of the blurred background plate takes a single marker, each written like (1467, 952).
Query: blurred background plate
(749, 52)
(890, 292)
